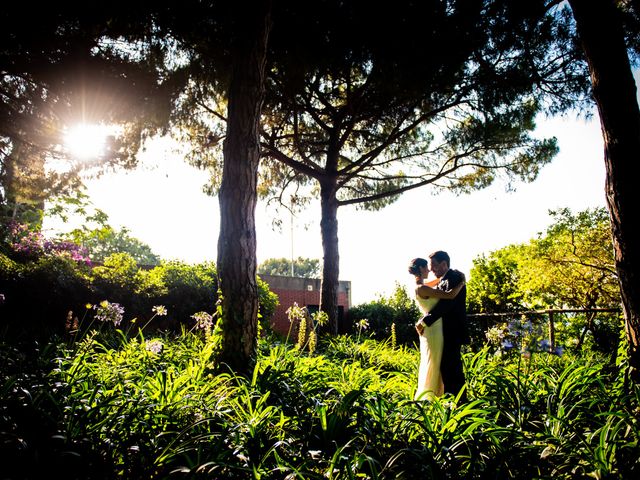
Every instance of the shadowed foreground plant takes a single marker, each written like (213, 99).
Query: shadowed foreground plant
(155, 408)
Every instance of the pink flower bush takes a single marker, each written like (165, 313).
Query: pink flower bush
(32, 244)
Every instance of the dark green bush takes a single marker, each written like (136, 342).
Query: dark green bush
(120, 280)
(188, 289)
(39, 294)
(398, 309)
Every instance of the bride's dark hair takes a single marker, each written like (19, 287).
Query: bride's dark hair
(416, 264)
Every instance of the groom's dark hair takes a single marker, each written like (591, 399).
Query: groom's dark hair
(440, 256)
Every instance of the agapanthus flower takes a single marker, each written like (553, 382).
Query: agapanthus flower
(109, 312)
(495, 335)
(204, 321)
(506, 345)
(154, 346)
(321, 318)
(295, 312)
(159, 310)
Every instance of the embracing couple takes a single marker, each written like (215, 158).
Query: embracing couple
(443, 328)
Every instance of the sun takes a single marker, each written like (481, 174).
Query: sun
(86, 141)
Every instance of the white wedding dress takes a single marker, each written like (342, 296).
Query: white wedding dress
(431, 345)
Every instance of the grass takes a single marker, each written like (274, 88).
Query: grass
(110, 405)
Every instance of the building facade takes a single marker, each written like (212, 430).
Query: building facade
(305, 292)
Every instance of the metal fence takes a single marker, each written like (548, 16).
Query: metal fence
(480, 323)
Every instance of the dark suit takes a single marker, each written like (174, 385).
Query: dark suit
(454, 329)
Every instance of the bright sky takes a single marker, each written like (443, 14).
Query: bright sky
(162, 204)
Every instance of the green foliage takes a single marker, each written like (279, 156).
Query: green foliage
(571, 265)
(120, 280)
(62, 285)
(152, 407)
(188, 288)
(493, 283)
(98, 239)
(102, 242)
(8, 268)
(302, 267)
(382, 314)
(268, 302)
(39, 294)
(182, 288)
(120, 274)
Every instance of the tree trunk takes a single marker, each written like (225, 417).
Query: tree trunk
(331, 256)
(237, 238)
(614, 90)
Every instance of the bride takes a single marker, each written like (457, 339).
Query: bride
(431, 339)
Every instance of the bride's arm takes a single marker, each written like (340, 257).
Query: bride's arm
(431, 283)
(425, 291)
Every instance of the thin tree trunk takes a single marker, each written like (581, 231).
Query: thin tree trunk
(614, 91)
(588, 326)
(331, 255)
(237, 238)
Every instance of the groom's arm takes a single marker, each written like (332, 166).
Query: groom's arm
(443, 307)
(440, 310)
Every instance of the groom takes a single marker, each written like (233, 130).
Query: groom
(454, 321)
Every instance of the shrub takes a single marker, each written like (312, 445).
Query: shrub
(398, 309)
(61, 284)
(268, 303)
(188, 289)
(40, 294)
(8, 268)
(120, 280)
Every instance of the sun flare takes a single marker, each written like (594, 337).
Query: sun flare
(86, 141)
